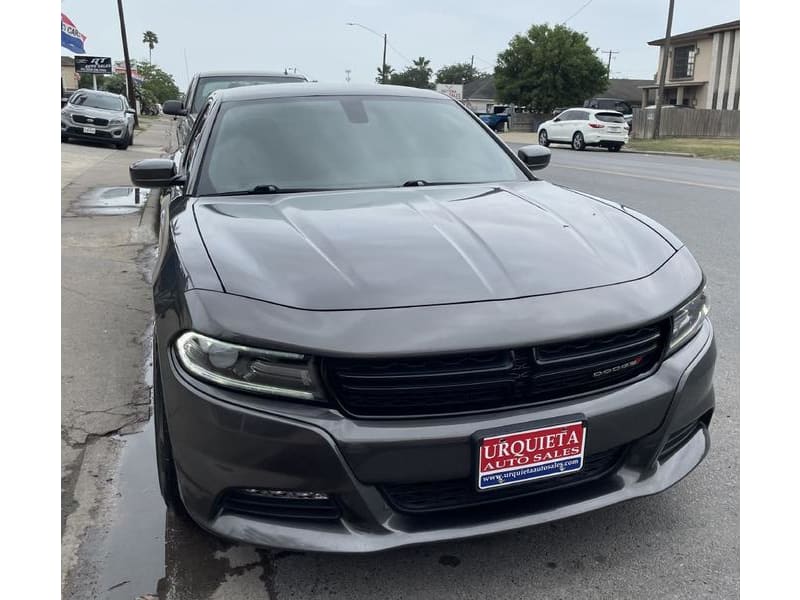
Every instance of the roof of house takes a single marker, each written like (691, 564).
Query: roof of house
(480, 88)
(698, 33)
(626, 89)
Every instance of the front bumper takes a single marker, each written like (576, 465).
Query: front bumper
(110, 133)
(223, 440)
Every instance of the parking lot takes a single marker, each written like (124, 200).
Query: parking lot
(121, 544)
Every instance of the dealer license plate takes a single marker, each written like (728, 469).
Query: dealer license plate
(523, 456)
(89, 130)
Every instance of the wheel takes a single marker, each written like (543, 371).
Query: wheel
(614, 147)
(577, 141)
(543, 139)
(167, 475)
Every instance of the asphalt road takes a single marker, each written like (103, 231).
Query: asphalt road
(681, 544)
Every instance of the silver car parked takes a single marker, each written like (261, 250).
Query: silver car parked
(98, 116)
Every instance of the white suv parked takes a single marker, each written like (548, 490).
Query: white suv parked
(583, 127)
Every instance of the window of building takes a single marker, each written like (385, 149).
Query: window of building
(683, 62)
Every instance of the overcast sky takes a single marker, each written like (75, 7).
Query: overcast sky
(311, 35)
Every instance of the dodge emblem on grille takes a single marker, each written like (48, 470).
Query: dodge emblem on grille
(618, 368)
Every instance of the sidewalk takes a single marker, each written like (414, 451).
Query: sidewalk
(105, 315)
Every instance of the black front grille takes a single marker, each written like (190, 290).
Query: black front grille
(461, 493)
(480, 381)
(90, 121)
(252, 504)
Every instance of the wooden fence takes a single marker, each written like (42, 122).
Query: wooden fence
(686, 122)
(526, 121)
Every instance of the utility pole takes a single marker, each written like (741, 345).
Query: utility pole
(383, 74)
(662, 74)
(347, 75)
(609, 52)
(128, 76)
(472, 63)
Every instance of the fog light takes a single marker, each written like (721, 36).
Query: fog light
(287, 494)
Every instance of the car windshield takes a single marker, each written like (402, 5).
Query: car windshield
(207, 85)
(345, 142)
(97, 101)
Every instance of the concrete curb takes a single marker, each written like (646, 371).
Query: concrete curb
(659, 153)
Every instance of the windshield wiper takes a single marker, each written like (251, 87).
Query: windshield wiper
(269, 189)
(422, 182)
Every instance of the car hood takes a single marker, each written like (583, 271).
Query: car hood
(366, 249)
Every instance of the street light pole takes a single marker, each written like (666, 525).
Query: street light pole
(385, 38)
(128, 76)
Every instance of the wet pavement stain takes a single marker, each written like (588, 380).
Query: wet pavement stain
(449, 561)
(134, 559)
(110, 201)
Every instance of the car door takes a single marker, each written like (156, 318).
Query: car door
(565, 125)
(556, 125)
(579, 122)
(185, 123)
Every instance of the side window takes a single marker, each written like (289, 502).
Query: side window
(581, 115)
(567, 116)
(194, 136)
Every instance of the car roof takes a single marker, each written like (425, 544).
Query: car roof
(288, 90)
(241, 73)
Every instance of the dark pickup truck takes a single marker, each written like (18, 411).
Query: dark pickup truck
(203, 84)
(497, 120)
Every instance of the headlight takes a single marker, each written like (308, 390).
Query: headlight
(115, 122)
(687, 321)
(250, 369)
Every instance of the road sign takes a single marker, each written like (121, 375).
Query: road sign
(94, 65)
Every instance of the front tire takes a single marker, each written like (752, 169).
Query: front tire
(578, 142)
(543, 139)
(167, 474)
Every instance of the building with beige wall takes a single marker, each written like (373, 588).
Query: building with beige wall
(69, 78)
(702, 68)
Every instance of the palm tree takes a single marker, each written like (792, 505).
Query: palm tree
(151, 39)
(422, 63)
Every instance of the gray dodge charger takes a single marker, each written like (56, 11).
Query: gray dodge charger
(374, 327)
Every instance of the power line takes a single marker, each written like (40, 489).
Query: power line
(577, 12)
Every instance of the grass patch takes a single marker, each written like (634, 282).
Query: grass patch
(726, 149)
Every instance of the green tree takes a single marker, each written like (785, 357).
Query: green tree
(549, 67)
(457, 73)
(113, 83)
(158, 82)
(151, 39)
(417, 75)
(389, 71)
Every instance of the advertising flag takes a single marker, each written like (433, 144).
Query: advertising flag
(71, 38)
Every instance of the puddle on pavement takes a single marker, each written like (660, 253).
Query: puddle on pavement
(112, 201)
(134, 554)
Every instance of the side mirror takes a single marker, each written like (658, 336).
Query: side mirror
(174, 107)
(155, 173)
(556, 120)
(130, 111)
(534, 156)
